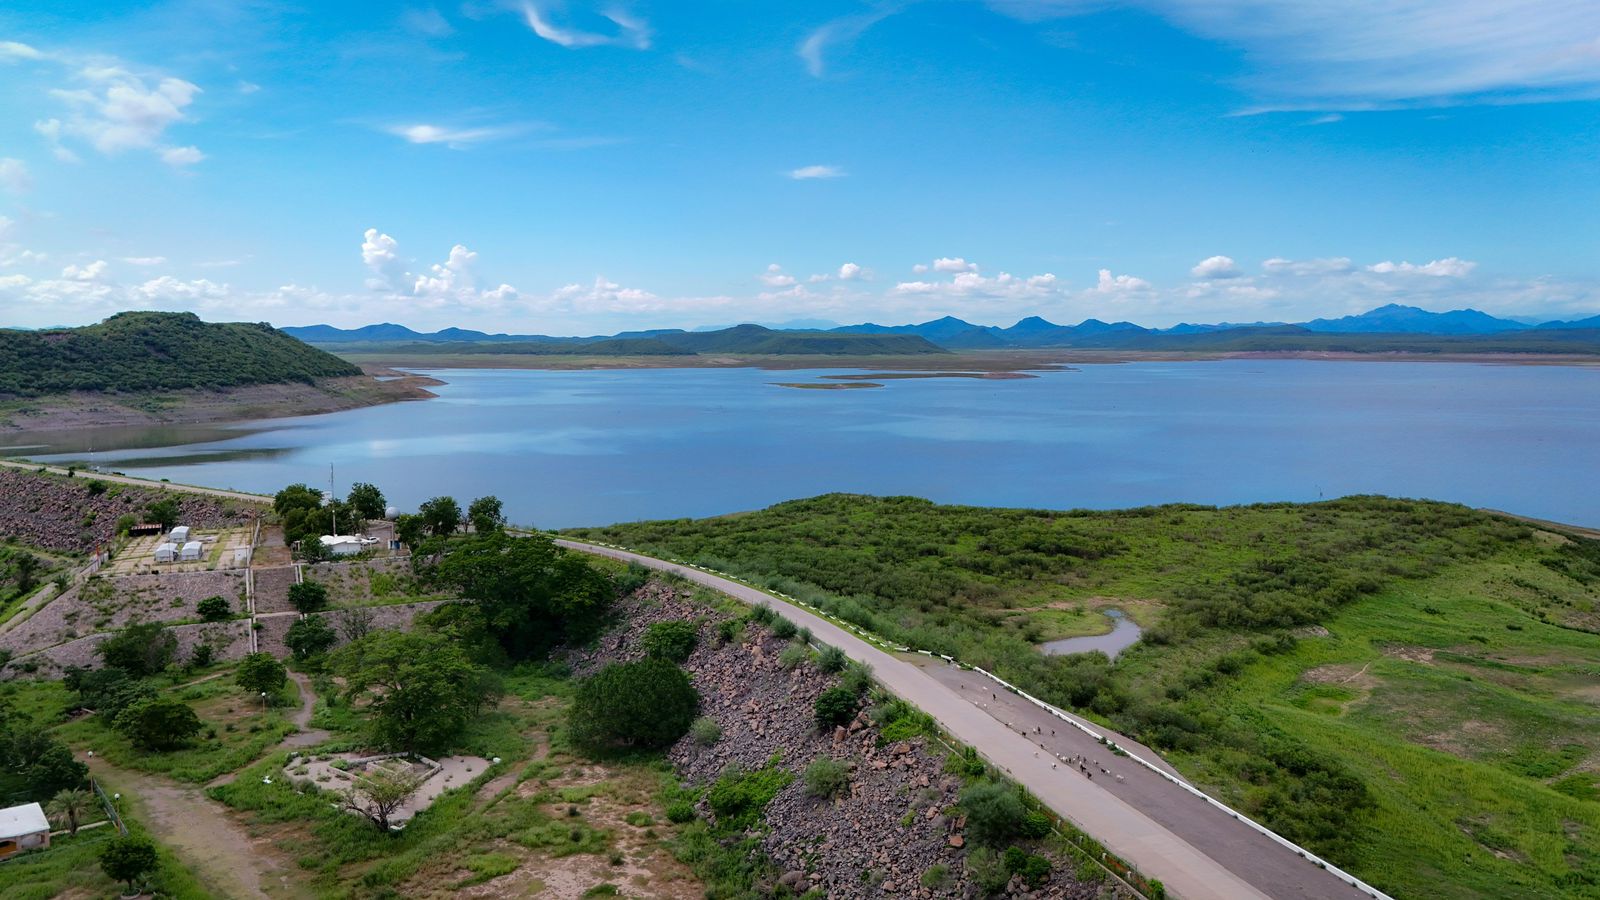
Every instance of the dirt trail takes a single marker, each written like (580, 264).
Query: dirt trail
(215, 847)
(307, 736)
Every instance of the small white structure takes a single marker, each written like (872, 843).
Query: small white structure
(23, 828)
(166, 552)
(179, 535)
(342, 544)
(190, 551)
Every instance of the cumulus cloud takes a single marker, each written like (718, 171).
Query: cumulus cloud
(94, 271)
(850, 271)
(1214, 267)
(380, 254)
(774, 276)
(14, 176)
(145, 260)
(449, 283)
(1119, 284)
(953, 264)
(1449, 267)
(115, 110)
(807, 173)
(630, 31)
(603, 292)
(178, 157)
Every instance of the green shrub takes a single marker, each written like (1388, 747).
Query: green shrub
(680, 811)
(1033, 868)
(308, 596)
(738, 798)
(935, 876)
(160, 723)
(794, 656)
(988, 871)
(831, 660)
(762, 615)
(649, 703)
(214, 609)
(835, 706)
(672, 640)
(783, 629)
(826, 778)
(995, 812)
(705, 731)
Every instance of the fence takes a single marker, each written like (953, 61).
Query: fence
(110, 807)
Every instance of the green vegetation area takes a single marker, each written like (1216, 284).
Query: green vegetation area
(150, 351)
(1409, 688)
(23, 570)
(741, 339)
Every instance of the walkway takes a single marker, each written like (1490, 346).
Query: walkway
(1198, 852)
(141, 482)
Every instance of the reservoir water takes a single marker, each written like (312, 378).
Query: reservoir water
(593, 447)
(1124, 632)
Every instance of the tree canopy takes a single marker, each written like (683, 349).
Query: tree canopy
(366, 500)
(158, 723)
(649, 703)
(421, 687)
(441, 515)
(139, 650)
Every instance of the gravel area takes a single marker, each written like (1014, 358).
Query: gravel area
(108, 603)
(62, 514)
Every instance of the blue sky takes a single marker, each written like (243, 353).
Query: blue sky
(577, 168)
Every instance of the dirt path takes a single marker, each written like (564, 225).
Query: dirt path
(1198, 851)
(215, 847)
(307, 736)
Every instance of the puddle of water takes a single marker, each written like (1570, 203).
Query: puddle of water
(1123, 633)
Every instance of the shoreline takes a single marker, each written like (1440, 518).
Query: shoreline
(82, 411)
(975, 361)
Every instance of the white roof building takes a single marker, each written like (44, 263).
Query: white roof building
(342, 544)
(166, 552)
(191, 550)
(179, 535)
(23, 828)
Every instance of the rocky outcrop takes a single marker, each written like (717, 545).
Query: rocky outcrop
(63, 514)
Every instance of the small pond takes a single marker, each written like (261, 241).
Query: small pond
(1123, 633)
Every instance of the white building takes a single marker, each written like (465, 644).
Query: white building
(23, 828)
(179, 535)
(191, 551)
(166, 552)
(342, 544)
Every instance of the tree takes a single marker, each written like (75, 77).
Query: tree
(647, 704)
(379, 792)
(214, 609)
(296, 497)
(129, 858)
(441, 515)
(139, 650)
(69, 807)
(995, 812)
(836, 706)
(365, 500)
(672, 640)
(486, 514)
(164, 511)
(410, 529)
(308, 596)
(161, 723)
(45, 764)
(421, 687)
(106, 691)
(260, 673)
(309, 636)
(533, 594)
(25, 569)
(354, 623)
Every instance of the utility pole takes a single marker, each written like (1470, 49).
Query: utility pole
(334, 510)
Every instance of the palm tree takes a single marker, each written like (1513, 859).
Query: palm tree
(69, 806)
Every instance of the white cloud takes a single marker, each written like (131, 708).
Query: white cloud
(850, 271)
(603, 292)
(1277, 265)
(1213, 267)
(806, 173)
(813, 46)
(427, 22)
(970, 284)
(181, 156)
(446, 278)
(248, 87)
(631, 31)
(953, 264)
(1449, 267)
(454, 138)
(451, 283)
(14, 176)
(145, 260)
(94, 271)
(11, 51)
(774, 276)
(380, 254)
(1119, 284)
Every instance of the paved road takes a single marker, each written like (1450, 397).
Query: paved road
(142, 482)
(1241, 869)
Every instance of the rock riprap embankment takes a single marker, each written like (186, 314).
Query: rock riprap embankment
(66, 515)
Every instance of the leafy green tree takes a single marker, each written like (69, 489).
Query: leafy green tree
(296, 497)
(995, 812)
(129, 858)
(161, 723)
(380, 792)
(441, 515)
(486, 514)
(533, 594)
(214, 609)
(309, 636)
(836, 706)
(164, 511)
(365, 500)
(69, 807)
(649, 703)
(25, 570)
(44, 763)
(261, 673)
(672, 640)
(308, 596)
(139, 650)
(410, 529)
(106, 691)
(421, 688)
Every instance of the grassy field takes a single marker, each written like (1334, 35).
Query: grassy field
(1410, 688)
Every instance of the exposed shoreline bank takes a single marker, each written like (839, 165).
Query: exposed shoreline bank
(85, 410)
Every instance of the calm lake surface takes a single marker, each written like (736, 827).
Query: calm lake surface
(1123, 634)
(589, 448)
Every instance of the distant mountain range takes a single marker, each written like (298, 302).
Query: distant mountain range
(950, 333)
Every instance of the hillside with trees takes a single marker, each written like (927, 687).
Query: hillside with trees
(157, 351)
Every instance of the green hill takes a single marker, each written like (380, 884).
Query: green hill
(157, 351)
(1407, 687)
